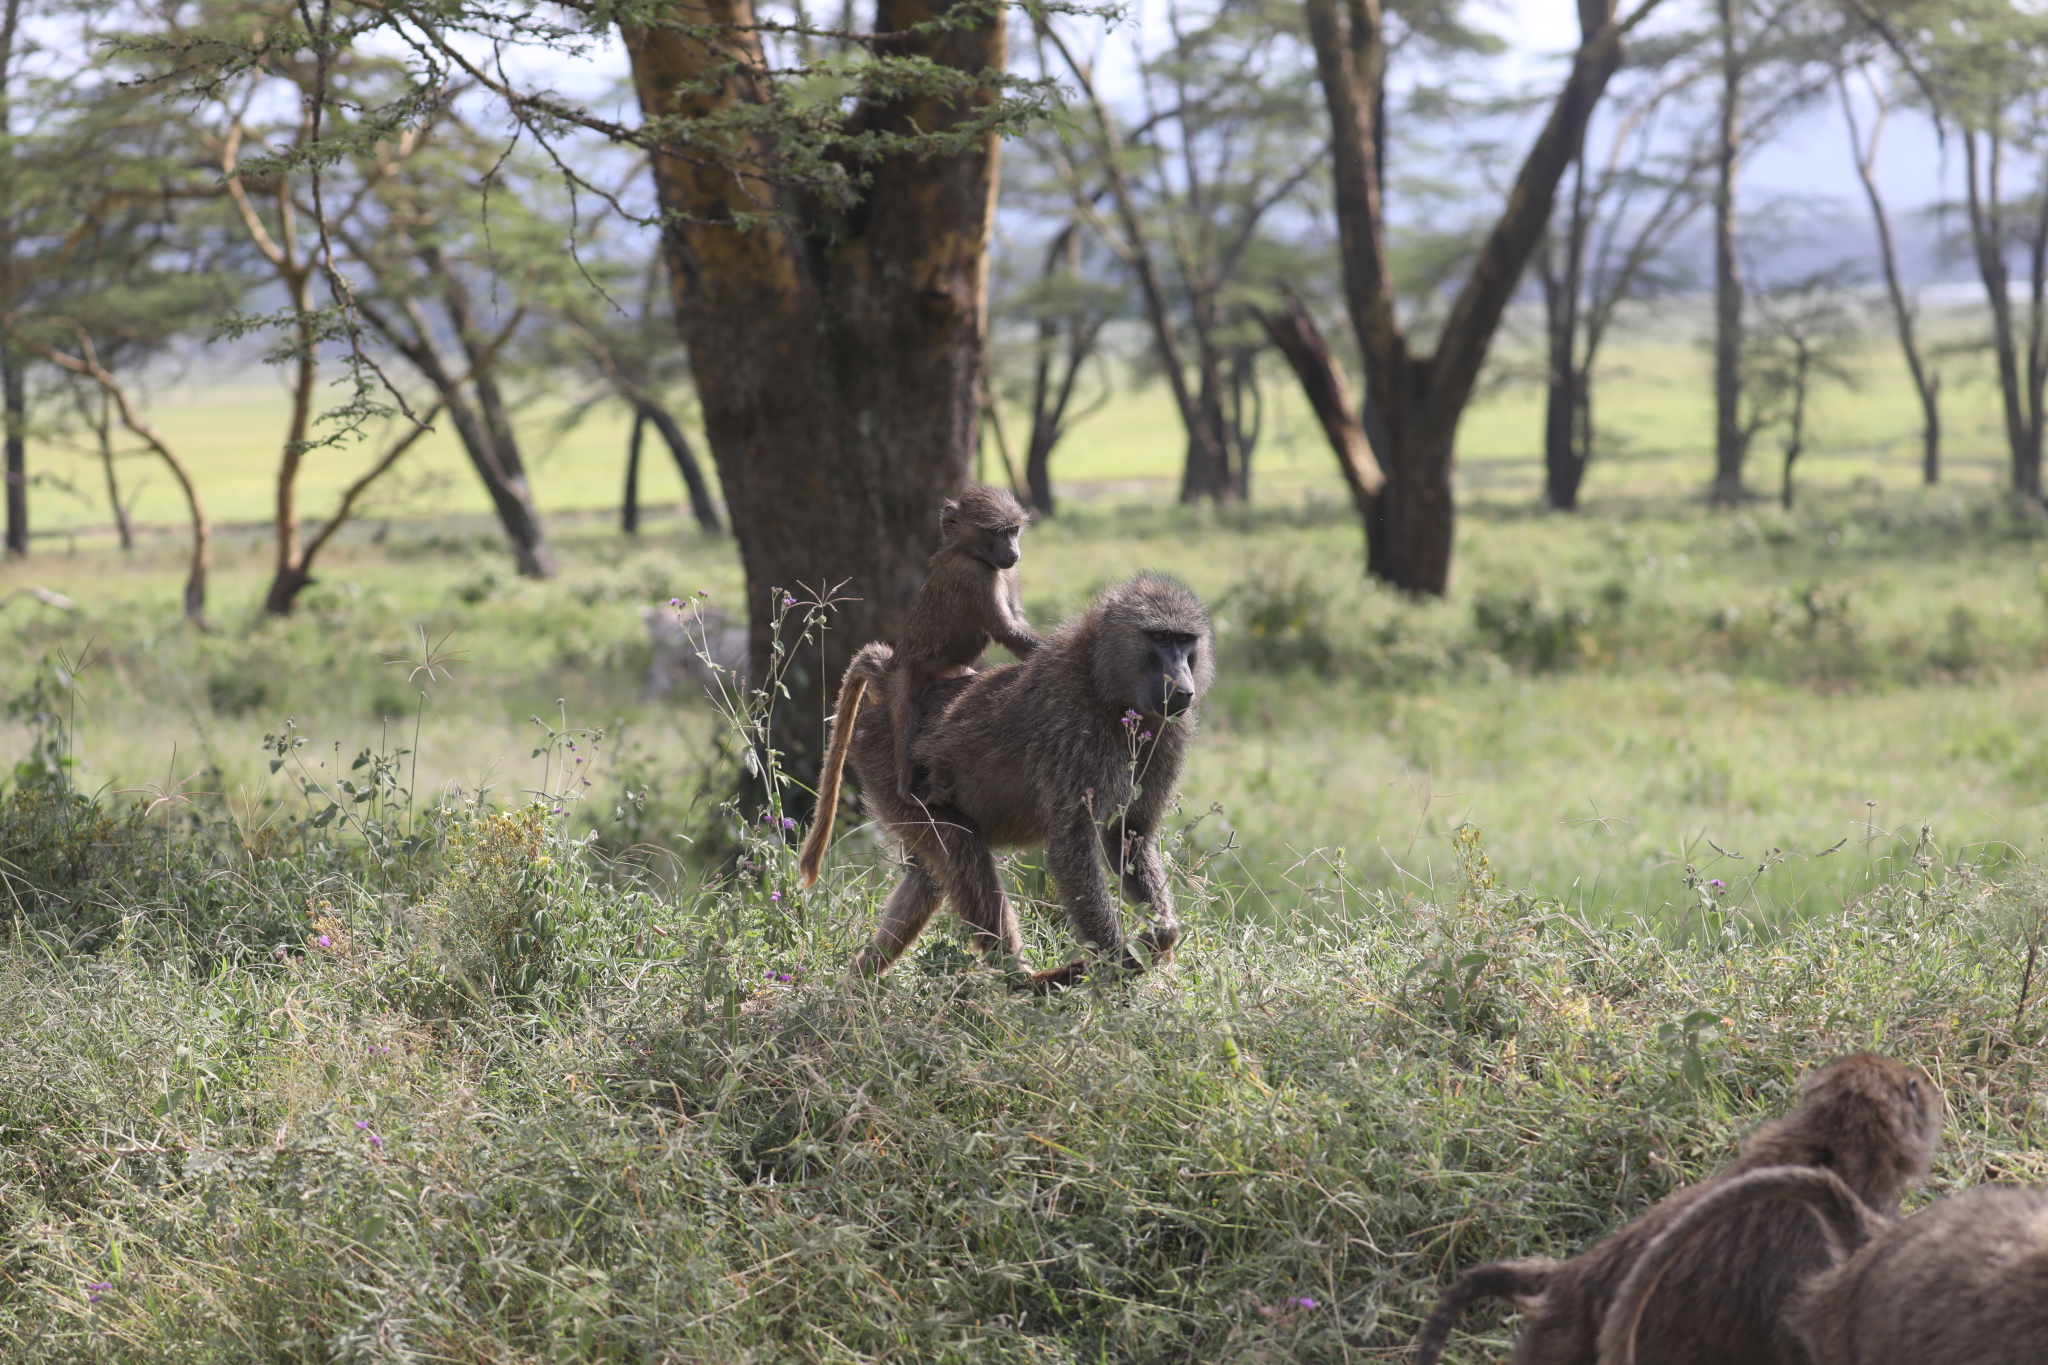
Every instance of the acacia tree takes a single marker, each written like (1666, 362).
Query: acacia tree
(1770, 58)
(1983, 67)
(1181, 197)
(1065, 307)
(1617, 223)
(1926, 379)
(1807, 330)
(1417, 399)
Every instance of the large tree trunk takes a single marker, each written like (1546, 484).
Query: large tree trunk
(839, 370)
(1420, 399)
(1731, 443)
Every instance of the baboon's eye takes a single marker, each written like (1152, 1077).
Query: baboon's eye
(1159, 635)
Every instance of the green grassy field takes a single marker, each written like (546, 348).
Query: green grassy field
(1612, 697)
(432, 1083)
(1655, 417)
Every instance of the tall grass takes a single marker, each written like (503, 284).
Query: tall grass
(448, 1082)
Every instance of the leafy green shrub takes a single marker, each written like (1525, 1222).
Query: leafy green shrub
(236, 692)
(1279, 622)
(1532, 630)
(486, 929)
(61, 860)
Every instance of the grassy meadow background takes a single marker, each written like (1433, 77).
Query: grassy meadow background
(1611, 697)
(1505, 916)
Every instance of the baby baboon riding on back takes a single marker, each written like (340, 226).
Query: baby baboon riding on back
(969, 597)
(1079, 748)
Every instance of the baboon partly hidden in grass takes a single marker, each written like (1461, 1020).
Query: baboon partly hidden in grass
(969, 596)
(1871, 1121)
(1078, 748)
(1962, 1282)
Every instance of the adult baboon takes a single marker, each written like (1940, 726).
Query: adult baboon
(1078, 748)
(1962, 1282)
(969, 596)
(1870, 1120)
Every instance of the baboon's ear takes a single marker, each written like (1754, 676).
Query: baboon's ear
(949, 516)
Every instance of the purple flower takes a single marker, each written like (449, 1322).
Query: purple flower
(788, 601)
(362, 1123)
(703, 592)
(775, 896)
(675, 601)
(95, 1289)
(324, 941)
(1146, 735)
(788, 823)
(558, 810)
(784, 976)
(1718, 885)
(377, 1144)
(1301, 1303)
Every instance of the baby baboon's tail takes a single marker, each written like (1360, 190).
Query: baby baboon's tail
(868, 666)
(1494, 1280)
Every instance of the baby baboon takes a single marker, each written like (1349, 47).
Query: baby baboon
(968, 597)
(1868, 1119)
(1078, 747)
(1963, 1281)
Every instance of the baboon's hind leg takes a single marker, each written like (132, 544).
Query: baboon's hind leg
(904, 915)
(976, 890)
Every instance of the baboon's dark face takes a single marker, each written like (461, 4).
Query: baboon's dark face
(999, 547)
(1168, 672)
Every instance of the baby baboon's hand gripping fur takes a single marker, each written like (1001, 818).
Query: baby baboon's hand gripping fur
(1868, 1120)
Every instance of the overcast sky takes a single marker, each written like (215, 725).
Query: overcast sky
(1807, 169)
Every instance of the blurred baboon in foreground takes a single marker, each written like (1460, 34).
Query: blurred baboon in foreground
(1869, 1120)
(1962, 1282)
(969, 596)
(1078, 748)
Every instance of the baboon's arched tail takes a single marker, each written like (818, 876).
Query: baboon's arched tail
(1494, 1280)
(1848, 1220)
(867, 666)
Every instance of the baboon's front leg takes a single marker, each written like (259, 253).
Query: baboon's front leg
(1135, 855)
(1074, 855)
(909, 908)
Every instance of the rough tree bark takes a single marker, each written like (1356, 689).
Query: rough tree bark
(1731, 444)
(837, 357)
(1419, 398)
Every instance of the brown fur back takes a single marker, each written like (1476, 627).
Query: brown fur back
(1869, 1119)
